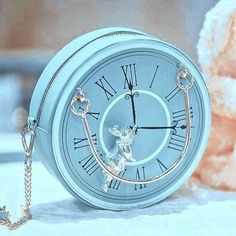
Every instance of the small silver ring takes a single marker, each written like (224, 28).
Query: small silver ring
(82, 99)
(187, 75)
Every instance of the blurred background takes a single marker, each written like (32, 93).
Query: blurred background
(31, 31)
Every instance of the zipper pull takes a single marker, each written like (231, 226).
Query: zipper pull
(32, 124)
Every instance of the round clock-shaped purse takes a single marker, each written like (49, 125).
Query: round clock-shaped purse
(121, 118)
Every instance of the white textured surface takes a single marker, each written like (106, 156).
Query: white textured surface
(195, 211)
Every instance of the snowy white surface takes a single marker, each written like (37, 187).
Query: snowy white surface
(197, 211)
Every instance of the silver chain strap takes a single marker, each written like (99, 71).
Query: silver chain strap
(113, 171)
(4, 214)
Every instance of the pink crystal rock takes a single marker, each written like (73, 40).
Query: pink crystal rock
(217, 57)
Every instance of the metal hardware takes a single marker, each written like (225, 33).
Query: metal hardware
(28, 145)
(5, 217)
(82, 99)
(184, 74)
(121, 154)
(110, 170)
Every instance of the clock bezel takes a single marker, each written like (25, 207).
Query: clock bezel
(70, 90)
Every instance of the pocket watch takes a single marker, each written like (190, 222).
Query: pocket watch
(121, 118)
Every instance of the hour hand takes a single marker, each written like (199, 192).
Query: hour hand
(131, 97)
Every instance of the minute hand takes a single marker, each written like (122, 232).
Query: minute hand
(161, 127)
(156, 127)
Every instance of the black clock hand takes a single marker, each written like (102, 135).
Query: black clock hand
(174, 126)
(131, 96)
(160, 127)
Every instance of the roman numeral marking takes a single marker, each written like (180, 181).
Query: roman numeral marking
(129, 72)
(89, 164)
(83, 142)
(115, 184)
(173, 93)
(154, 76)
(140, 175)
(95, 115)
(181, 114)
(176, 142)
(106, 87)
(161, 166)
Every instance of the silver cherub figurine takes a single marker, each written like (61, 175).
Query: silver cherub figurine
(120, 153)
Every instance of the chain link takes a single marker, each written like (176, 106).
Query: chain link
(28, 148)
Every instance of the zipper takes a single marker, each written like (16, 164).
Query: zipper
(32, 122)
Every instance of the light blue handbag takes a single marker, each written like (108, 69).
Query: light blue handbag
(119, 117)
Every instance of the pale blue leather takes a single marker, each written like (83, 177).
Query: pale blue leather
(68, 66)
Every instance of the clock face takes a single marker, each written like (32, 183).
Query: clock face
(132, 87)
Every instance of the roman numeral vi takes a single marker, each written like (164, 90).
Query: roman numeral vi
(140, 175)
(115, 184)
